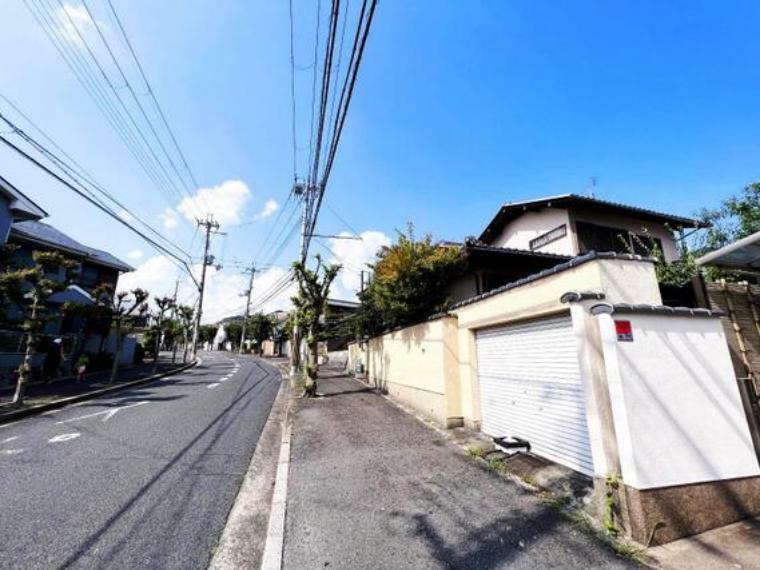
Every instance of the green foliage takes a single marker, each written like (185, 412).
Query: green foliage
(310, 304)
(738, 216)
(675, 273)
(410, 281)
(612, 485)
(206, 333)
(259, 328)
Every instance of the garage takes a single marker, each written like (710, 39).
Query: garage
(531, 388)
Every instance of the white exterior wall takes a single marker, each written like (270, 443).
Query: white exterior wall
(675, 403)
(518, 233)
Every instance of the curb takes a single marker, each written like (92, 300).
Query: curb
(275, 541)
(54, 405)
(245, 539)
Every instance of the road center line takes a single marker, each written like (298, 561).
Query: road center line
(9, 439)
(214, 385)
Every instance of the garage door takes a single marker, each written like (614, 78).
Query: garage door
(530, 387)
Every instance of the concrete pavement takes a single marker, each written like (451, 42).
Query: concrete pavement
(144, 478)
(372, 487)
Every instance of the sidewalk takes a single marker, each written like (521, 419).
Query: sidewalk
(733, 546)
(372, 487)
(39, 394)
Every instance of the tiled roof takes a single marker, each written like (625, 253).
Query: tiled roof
(23, 206)
(47, 235)
(574, 262)
(511, 210)
(608, 308)
(512, 251)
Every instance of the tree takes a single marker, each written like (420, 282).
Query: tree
(185, 315)
(207, 333)
(163, 304)
(738, 216)
(259, 328)
(29, 288)
(310, 303)
(128, 309)
(410, 281)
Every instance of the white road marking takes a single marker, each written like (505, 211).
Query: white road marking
(12, 451)
(50, 412)
(64, 437)
(107, 414)
(214, 385)
(9, 439)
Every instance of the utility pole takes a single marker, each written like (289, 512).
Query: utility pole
(252, 271)
(212, 227)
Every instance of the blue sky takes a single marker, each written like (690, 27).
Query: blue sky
(460, 106)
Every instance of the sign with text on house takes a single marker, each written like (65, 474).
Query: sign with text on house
(624, 331)
(552, 235)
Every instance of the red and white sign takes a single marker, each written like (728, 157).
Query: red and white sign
(624, 331)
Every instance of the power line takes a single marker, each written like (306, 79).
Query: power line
(75, 172)
(135, 98)
(107, 98)
(292, 93)
(161, 170)
(152, 95)
(95, 203)
(360, 40)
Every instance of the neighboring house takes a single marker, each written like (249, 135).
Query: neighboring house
(527, 237)
(490, 267)
(338, 311)
(15, 206)
(570, 225)
(96, 267)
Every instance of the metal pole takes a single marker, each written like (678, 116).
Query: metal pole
(252, 271)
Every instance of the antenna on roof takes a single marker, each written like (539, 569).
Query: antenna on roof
(591, 187)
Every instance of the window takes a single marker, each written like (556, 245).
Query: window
(602, 238)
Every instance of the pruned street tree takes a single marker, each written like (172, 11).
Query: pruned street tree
(163, 305)
(128, 309)
(28, 289)
(185, 315)
(309, 303)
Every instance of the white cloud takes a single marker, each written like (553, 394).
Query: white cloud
(270, 208)
(135, 255)
(169, 218)
(354, 255)
(224, 289)
(74, 21)
(225, 202)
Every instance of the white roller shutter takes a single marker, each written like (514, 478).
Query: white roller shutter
(530, 387)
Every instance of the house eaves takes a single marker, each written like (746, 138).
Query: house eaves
(45, 235)
(512, 210)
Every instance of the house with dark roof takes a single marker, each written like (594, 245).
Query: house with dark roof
(527, 237)
(96, 267)
(15, 206)
(571, 224)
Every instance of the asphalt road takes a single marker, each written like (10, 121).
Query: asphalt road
(141, 479)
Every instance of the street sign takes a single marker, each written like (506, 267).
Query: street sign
(624, 331)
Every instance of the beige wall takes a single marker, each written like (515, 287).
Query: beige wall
(418, 365)
(433, 366)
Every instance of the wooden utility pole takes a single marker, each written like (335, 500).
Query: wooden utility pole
(252, 271)
(212, 227)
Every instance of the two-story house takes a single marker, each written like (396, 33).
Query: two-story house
(15, 206)
(526, 237)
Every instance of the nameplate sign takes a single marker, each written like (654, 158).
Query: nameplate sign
(552, 235)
